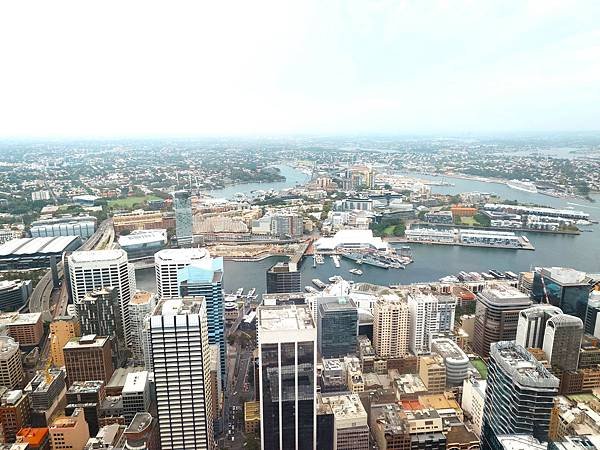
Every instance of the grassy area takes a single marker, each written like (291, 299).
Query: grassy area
(128, 202)
(389, 230)
(468, 221)
(481, 367)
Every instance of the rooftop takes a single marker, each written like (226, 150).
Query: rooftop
(137, 237)
(390, 417)
(285, 318)
(140, 422)
(521, 442)
(179, 306)
(566, 275)
(13, 318)
(83, 387)
(87, 341)
(41, 245)
(8, 345)
(97, 256)
(141, 298)
(346, 406)
(181, 255)
(521, 366)
(120, 376)
(449, 349)
(136, 382)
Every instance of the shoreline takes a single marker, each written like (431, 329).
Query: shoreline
(522, 230)
(529, 247)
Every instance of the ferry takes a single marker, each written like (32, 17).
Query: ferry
(318, 283)
(311, 290)
(336, 260)
(356, 271)
(526, 186)
(335, 279)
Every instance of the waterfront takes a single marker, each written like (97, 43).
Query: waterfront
(433, 262)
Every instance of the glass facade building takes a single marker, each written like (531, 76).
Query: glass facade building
(519, 395)
(207, 281)
(287, 374)
(566, 288)
(182, 204)
(337, 328)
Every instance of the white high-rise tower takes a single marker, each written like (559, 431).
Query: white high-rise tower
(182, 363)
(95, 269)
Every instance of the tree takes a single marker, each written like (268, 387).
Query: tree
(251, 442)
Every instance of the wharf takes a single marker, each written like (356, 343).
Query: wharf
(524, 244)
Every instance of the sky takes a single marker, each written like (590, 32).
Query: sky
(192, 68)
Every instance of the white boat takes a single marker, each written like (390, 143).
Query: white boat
(335, 279)
(251, 293)
(356, 271)
(239, 292)
(318, 283)
(336, 260)
(311, 290)
(526, 186)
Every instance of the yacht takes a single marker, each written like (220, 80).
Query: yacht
(356, 271)
(526, 186)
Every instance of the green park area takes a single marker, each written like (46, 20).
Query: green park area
(481, 367)
(130, 202)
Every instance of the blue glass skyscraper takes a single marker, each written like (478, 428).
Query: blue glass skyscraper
(206, 279)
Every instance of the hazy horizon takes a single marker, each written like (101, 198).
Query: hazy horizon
(189, 70)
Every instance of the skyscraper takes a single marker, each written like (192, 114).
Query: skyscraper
(99, 313)
(562, 341)
(168, 263)
(592, 315)
(532, 325)
(337, 328)
(391, 327)
(181, 357)
(564, 287)
(141, 306)
(282, 278)
(497, 316)
(95, 269)
(182, 204)
(519, 395)
(287, 354)
(424, 321)
(205, 278)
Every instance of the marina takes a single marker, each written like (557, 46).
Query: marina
(467, 237)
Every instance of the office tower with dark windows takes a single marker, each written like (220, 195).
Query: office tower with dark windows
(564, 287)
(497, 316)
(99, 313)
(532, 325)
(182, 363)
(287, 351)
(283, 277)
(519, 395)
(204, 278)
(562, 341)
(95, 269)
(337, 327)
(182, 204)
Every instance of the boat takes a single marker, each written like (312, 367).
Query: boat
(356, 271)
(318, 283)
(335, 279)
(336, 260)
(251, 293)
(315, 260)
(319, 258)
(371, 260)
(496, 274)
(526, 186)
(239, 292)
(512, 275)
(311, 290)
(487, 276)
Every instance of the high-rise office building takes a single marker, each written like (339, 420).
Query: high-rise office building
(168, 263)
(181, 357)
(88, 358)
(182, 204)
(204, 278)
(592, 315)
(62, 330)
(287, 225)
(391, 327)
(519, 395)
(562, 341)
(337, 328)
(446, 313)
(287, 354)
(497, 316)
(283, 277)
(95, 269)
(140, 307)
(532, 325)
(11, 366)
(424, 321)
(566, 288)
(99, 313)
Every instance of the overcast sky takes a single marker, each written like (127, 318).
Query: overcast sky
(118, 68)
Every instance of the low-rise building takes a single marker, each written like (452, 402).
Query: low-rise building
(25, 328)
(69, 432)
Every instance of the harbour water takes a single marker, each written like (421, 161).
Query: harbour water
(432, 262)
